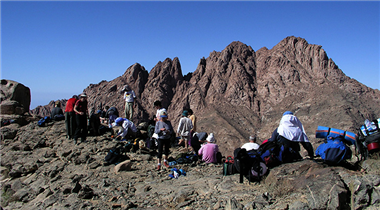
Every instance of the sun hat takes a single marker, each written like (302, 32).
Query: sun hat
(185, 113)
(210, 138)
(83, 95)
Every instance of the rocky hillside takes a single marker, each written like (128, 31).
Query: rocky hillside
(41, 169)
(238, 91)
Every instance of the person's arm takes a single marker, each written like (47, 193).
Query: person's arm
(309, 148)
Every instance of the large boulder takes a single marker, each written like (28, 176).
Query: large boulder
(15, 98)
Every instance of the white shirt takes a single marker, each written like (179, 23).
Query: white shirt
(250, 146)
(129, 96)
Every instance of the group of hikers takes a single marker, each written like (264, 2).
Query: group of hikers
(290, 133)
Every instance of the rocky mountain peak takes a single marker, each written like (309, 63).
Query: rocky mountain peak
(238, 92)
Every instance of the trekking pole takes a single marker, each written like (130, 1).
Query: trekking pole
(241, 172)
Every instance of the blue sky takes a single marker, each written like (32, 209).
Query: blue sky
(58, 48)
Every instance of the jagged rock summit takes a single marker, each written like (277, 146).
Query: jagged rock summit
(238, 92)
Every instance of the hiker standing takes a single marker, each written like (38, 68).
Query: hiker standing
(158, 106)
(194, 121)
(291, 132)
(129, 96)
(127, 128)
(94, 123)
(164, 131)
(80, 109)
(209, 151)
(184, 127)
(70, 119)
(251, 144)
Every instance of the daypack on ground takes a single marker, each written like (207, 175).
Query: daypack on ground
(43, 121)
(115, 154)
(249, 164)
(229, 167)
(186, 157)
(334, 151)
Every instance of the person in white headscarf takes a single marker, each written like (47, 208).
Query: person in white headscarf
(291, 133)
(209, 151)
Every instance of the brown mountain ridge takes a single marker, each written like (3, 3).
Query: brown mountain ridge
(238, 92)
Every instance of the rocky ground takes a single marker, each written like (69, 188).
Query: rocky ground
(41, 169)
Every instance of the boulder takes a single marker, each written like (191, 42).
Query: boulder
(15, 97)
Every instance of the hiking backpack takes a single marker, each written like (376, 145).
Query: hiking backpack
(249, 164)
(229, 167)
(274, 153)
(115, 154)
(43, 121)
(59, 117)
(334, 151)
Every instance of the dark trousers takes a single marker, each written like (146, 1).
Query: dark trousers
(70, 121)
(161, 144)
(81, 130)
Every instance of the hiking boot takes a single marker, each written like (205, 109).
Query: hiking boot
(166, 164)
(158, 167)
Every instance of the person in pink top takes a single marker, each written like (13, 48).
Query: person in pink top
(209, 151)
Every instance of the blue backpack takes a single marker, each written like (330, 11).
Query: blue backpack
(43, 121)
(334, 151)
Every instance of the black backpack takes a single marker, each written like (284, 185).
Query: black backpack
(115, 154)
(249, 164)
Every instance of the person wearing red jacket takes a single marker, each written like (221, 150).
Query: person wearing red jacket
(70, 117)
(81, 114)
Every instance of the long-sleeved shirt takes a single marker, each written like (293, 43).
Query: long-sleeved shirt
(163, 134)
(125, 126)
(70, 105)
(208, 152)
(184, 126)
(129, 96)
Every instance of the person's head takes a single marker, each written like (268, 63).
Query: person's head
(210, 138)
(190, 111)
(83, 97)
(157, 104)
(287, 112)
(127, 88)
(98, 112)
(252, 139)
(75, 96)
(106, 108)
(57, 103)
(119, 121)
(185, 113)
(163, 115)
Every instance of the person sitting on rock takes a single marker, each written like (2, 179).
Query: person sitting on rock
(56, 112)
(251, 144)
(210, 151)
(127, 128)
(184, 128)
(164, 130)
(291, 133)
